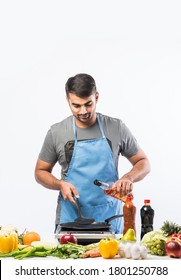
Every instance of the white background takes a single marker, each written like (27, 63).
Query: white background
(132, 49)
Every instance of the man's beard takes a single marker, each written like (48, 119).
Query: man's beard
(84, 118)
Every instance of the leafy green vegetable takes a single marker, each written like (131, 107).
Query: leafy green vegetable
(155, 242)
(64, 251)
(69, 250)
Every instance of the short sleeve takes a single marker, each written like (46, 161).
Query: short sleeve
(128, 143)
(48, 152)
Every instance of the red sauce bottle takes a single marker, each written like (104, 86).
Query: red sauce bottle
(129, 212)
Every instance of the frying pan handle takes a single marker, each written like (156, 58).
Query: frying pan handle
(113, 217)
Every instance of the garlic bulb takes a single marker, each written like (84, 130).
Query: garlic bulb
(127, 250)
(143, 252)
(121, 251)
(135, 251)
(132, 250)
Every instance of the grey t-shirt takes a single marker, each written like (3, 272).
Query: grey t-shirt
(59, 141)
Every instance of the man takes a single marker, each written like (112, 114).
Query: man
(87, 146)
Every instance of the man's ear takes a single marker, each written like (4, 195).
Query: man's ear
(97, 96)
(67, 98)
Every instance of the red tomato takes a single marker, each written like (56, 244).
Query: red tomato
(174, 235)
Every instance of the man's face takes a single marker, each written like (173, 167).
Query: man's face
(83, 109)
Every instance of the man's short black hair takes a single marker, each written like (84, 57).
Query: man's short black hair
(82, 85)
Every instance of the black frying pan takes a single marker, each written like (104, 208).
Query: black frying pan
(93, 226)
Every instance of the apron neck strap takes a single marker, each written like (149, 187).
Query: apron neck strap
(100, 126)
(75, 128)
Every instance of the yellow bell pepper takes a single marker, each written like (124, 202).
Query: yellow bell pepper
(108, 248)
(8, 243)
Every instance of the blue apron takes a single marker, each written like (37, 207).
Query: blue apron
(92, 159)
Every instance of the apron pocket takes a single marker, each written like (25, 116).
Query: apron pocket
(104, 211)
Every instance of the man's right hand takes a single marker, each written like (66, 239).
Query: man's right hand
(44, 177)
(68, 191)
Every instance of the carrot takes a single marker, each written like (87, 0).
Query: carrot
(92, 253)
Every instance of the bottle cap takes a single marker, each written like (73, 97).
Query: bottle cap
(129, 198)
(97, 183)
(147, 201)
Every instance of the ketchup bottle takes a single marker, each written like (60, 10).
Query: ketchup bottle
(129, 212)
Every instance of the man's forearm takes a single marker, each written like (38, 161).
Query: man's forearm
(139, 171)
(48, 180)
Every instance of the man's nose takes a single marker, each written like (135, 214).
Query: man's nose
(83, 110)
